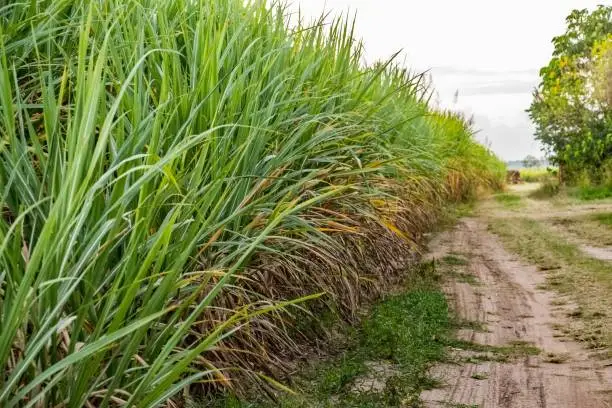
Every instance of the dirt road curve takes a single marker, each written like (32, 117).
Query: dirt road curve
(504, 296)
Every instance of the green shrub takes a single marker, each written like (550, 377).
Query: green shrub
(605, 218)
(589, 193)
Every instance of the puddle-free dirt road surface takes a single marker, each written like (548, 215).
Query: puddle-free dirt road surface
(505, 299)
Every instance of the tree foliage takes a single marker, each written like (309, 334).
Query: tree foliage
(571, 107)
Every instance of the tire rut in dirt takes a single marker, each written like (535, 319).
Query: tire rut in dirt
(512, 310)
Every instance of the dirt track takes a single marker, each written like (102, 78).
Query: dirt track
(505, 298)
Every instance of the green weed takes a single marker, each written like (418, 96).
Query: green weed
(605, 219)
(455, 260)
(590, 193)
(508, 200)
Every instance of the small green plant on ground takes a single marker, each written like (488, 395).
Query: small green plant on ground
(504, 353)
(471, 324)
(604, 218)
(467, 278)
(508, 200)
(452, 264)
(455, 260)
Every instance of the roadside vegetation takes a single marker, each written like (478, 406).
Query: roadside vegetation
(604, 219)
(590, 193)
(551, 188)
(383, 361)
(508, 200)
(572, 107)
(187, 186)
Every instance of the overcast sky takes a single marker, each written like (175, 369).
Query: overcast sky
(489, 50)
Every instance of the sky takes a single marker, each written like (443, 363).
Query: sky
(490, 51)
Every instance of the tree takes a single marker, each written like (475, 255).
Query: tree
(602, 72)
(570, 107)
(530, 161)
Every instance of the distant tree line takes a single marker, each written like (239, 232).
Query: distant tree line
(572, 106)
(530, 161)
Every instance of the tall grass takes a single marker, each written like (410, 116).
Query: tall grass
(180, 179)
(537, 174)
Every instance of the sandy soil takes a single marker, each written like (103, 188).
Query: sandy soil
(509, 304)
